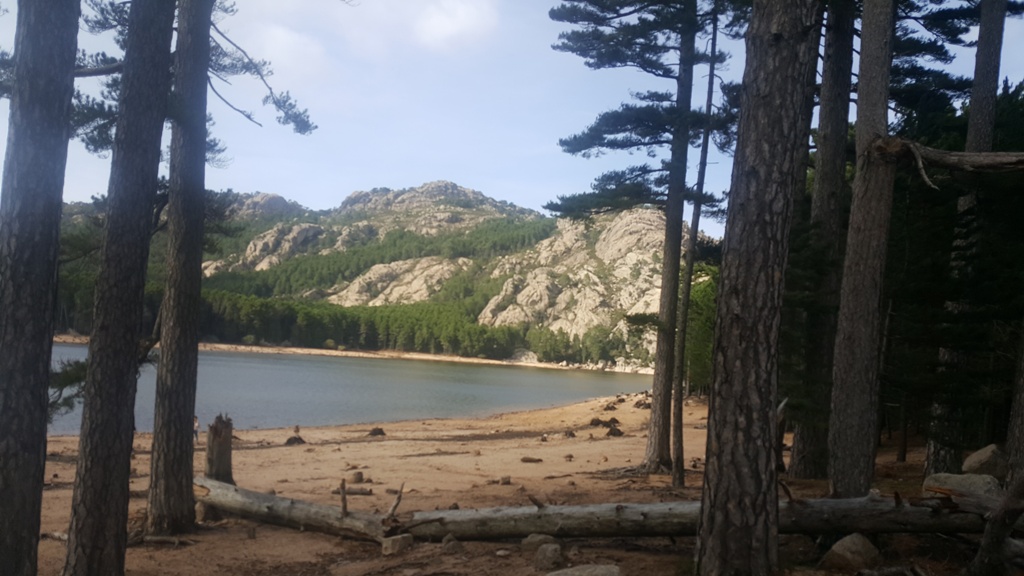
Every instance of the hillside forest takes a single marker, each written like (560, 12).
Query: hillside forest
(438, 269)
(869, 280)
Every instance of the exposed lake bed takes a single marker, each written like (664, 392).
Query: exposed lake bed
(441, 462)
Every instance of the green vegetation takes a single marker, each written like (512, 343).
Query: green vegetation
(266, 307)
(434, 328)
(491, 239)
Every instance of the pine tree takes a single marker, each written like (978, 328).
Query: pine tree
(771, 153)
(30, 207)
(852, 427)
(97, 538)
(810, 437)
(946, 456)
(171, 506)
(659, 39)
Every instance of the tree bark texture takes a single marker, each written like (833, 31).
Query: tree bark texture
(218, 450)
(869, 515)
(658, 454)
(30, 208)
(739, 519)
(171, 505)
(97, 536)
(687, 61)
(810, 438)
(853, 425)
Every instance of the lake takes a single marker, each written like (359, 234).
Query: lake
(282, 390)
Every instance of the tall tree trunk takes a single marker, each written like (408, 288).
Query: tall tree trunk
(853, 428)
(33, 182)
(686, 282)
(810, 439)
(658, 455)
(99, 511)
(944, 450)
(171, 505)
(739, 511)
(982, 113)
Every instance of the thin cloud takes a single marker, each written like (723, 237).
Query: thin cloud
(444, 24)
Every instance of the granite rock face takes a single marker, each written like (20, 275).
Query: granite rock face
(581, 276)
(402, 282)
(279, 243)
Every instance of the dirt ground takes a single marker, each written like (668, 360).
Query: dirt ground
(443, 463)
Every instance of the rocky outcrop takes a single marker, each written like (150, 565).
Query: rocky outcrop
(211, 267)
(583, 276)
(280, 242)
(431, 209)
(266, 206)
(402, 282)
(359, 234)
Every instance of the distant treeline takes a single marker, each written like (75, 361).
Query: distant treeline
(490, 239)
(429, 327)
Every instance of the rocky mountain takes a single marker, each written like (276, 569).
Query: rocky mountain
(581, 278)
(409, 244)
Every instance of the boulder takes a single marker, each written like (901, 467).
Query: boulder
(968, 483)
(396, 544)
(851, 554)
(450, 545)
(548, 557)
(989, 460)
(534, 541)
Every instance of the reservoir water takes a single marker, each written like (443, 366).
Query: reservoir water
(280, 390)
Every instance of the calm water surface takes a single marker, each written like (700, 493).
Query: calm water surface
(271, 390)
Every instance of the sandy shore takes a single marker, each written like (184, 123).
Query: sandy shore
(389, 354)
(442, 463)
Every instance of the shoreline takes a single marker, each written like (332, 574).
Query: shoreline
(383, 355)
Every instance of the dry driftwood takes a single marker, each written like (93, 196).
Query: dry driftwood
(288, 512)
(870, 515)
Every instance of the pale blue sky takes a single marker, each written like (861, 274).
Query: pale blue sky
(410, 91)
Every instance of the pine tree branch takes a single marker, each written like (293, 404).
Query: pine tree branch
(245, 114)
(93, 71)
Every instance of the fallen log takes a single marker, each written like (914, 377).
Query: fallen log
(287, 512)
(869, 515)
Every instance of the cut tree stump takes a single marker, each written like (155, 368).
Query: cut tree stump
(218, 450)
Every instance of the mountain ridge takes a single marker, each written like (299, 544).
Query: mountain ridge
(512, 276)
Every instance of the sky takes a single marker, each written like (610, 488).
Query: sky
(410, 91)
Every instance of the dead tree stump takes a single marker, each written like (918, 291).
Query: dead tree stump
(218, 450)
